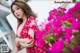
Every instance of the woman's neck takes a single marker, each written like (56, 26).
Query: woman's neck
(24, 18)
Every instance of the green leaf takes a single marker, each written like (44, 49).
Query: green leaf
(47, 39)
(78, 11)
(50, 39)
(67, 24)
(78, 36)
(61, 35)
(65, 50)
(75, 13)
(71, 45)
(74, 1)
(76, 33)
(60, 12)
(74, 42)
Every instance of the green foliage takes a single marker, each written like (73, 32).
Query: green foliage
(78, 36)
(74, 1)
(71, 45)
(51, 39)
(67, 24)
(74, 42)
(60, 12)
(65, 50)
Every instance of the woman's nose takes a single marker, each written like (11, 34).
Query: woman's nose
(16, 12)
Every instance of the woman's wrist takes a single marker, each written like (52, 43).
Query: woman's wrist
(25, 40)
(17, 40)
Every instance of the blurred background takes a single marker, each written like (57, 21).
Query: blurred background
(8, 22)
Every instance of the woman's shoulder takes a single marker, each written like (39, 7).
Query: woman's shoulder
(31, 18)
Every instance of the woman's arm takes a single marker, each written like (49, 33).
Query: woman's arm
(26, 42)
(24, 45)
(31, 33)
(20, 40)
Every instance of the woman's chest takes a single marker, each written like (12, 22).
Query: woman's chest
(19, 29)
(23, 30)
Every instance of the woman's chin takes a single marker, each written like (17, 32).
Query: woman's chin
(19, 17)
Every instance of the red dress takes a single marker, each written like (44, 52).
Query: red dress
(31, 23)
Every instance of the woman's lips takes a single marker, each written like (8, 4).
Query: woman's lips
(18, 15)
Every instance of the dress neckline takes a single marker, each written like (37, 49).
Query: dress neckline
(26, 23)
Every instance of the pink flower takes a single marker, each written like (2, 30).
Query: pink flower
(62, 10)
(57, 31)
(40, 39)
(65, 17)
(61, 25)
(77, 6)
(76, 25)
(57, 22)
(72, 19)
(63, 28)
(48, 27)
(57, 47)
(50, 18)
(52, 12)
(71, 10)
(78, 17)
(68, 34)
(76, 49)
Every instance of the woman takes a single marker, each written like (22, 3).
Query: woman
(26, 27)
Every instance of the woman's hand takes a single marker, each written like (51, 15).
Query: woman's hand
(17, 40)
(26, 45)
(25, 40)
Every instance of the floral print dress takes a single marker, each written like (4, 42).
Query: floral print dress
(31, 24)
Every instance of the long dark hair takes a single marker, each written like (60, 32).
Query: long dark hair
(25, 7)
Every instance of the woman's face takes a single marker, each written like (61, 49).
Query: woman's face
(18, 12)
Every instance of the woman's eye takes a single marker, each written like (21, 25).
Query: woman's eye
(17, 8)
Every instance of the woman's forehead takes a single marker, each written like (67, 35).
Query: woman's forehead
(14, 6)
